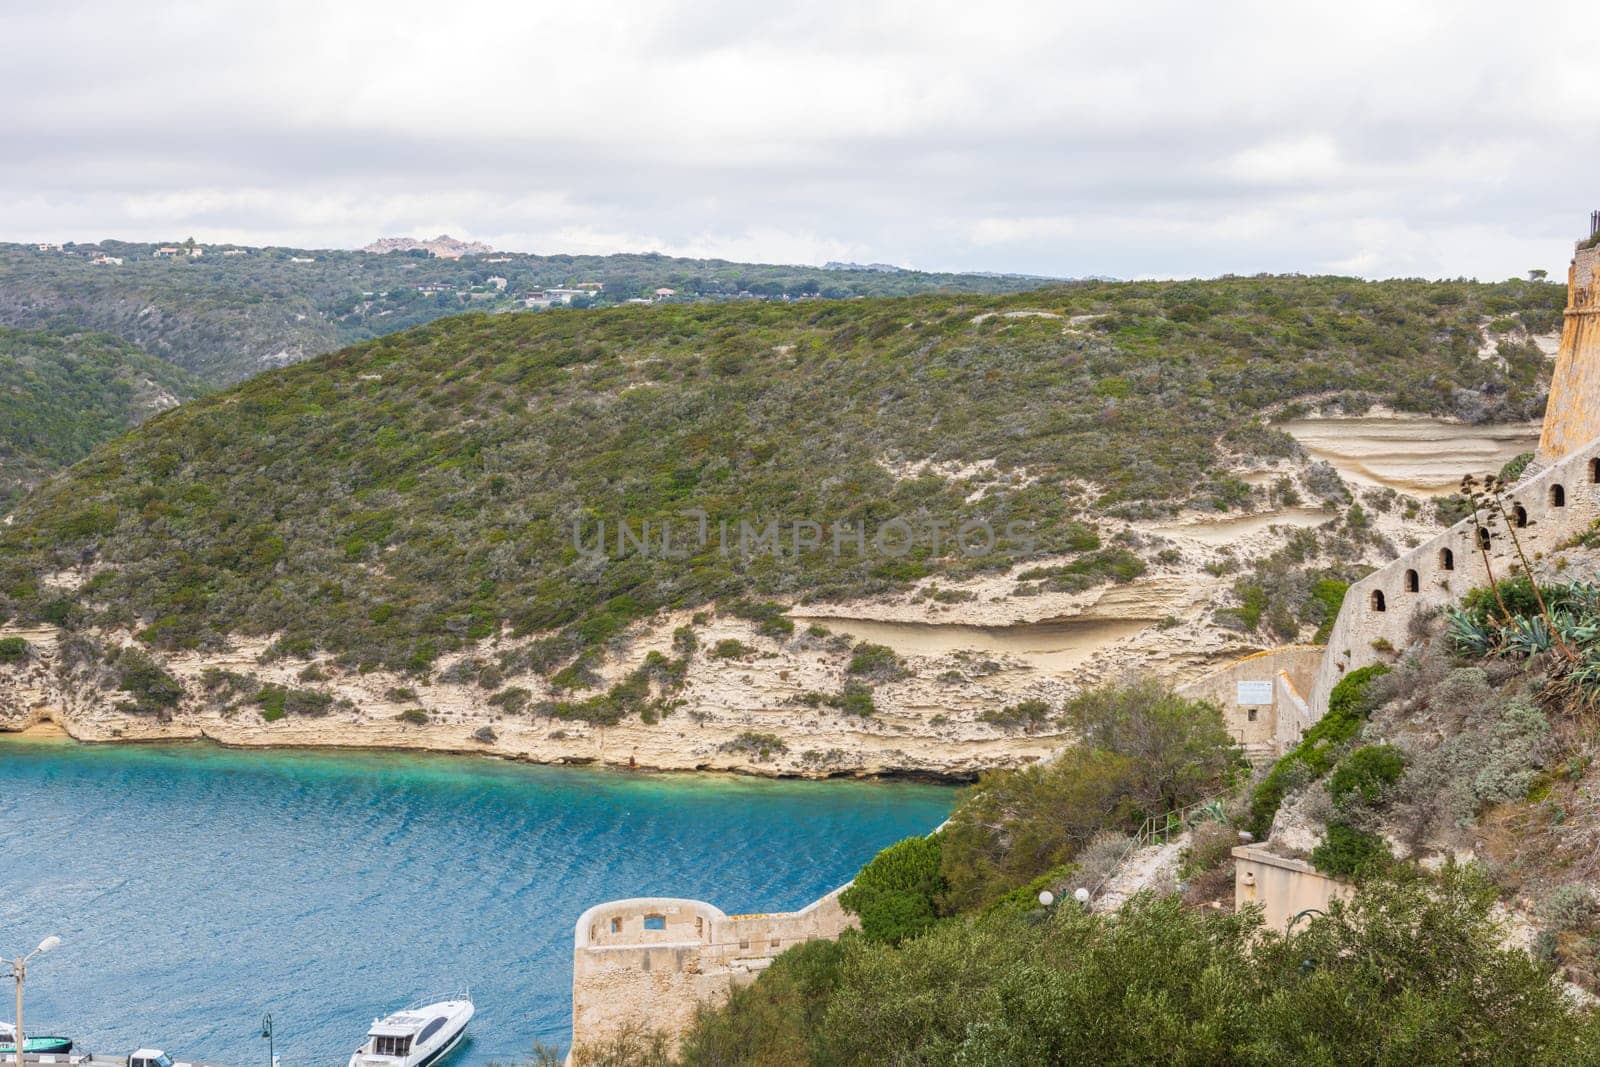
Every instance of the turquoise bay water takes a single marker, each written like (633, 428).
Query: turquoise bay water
(195, 888)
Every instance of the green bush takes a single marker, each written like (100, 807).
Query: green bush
(758, 746)
(414, 716)
(731, 648)
(1515, 467)
(1328, 596)
(152, 688)
(1028, 714)
(1407, 972)
(1347, 851)
(513, 699)
(854, 699)
(770, 618)
(1482, 606)
(1366, 773)
(13, 649)
(1348, 707)
(276, 701)
(878, 662)
(895, 894)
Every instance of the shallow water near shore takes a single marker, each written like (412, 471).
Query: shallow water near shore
(196, 887)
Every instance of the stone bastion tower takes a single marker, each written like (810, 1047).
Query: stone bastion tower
(1572, 418)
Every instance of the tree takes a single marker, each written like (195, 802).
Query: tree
(895, 893)
(1180, 750)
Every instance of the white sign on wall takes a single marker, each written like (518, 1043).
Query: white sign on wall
(1255, 693)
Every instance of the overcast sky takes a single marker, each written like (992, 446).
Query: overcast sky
(1135, 140)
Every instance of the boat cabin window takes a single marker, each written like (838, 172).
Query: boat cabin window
(384, 1045)
(429, 1030)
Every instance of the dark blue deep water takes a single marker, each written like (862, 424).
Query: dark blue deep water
(195, 888)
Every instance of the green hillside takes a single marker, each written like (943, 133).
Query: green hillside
(228, 316)
(61, 394)
(403, 496)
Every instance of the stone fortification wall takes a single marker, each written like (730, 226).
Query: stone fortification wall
(651, 961)
(1572, 417)
(1555, 504)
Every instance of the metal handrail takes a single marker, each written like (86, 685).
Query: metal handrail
(1163, 826)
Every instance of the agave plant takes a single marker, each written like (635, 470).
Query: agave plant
(1581, 598)
(1580, 686)
(1527, 636)
(1579, 630)
(1467, 635)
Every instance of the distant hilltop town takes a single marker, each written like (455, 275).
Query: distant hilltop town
(444, 246)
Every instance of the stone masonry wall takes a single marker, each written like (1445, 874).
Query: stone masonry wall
(651, 961)
(1560, 501)
(1572, 416)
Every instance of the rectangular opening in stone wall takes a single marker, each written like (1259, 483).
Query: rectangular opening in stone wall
(616, 926)
(655, 922)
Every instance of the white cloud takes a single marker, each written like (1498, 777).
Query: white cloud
(1428, 138)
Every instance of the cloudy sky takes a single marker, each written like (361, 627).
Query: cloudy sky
(1135, 140)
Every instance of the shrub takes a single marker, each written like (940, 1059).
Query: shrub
(732, 648)
(153, 689)
(756, 745)
(1347, 851)
(878, 662)
(1515, 467)
(1366, 773)
(485, 735)
(276, 701)
(853, 699)
(512, 699)
(414, 716)
(1407, 972)
(1181, 749)
(1029, 714)
(769, 617)
(13, 649)
(684, 641)
(896, 892)
(1328, 596)
(1115, 564)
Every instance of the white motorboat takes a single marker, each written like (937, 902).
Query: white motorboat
(415, 1037)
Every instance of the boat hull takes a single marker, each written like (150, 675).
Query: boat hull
(38, 1046)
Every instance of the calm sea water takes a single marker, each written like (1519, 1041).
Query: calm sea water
(195, 888)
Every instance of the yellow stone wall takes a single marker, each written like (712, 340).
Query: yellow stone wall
(1572, 417)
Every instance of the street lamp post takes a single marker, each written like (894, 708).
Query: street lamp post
(19, 971)
(266, 1032)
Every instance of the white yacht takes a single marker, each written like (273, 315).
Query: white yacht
(415, 1037)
